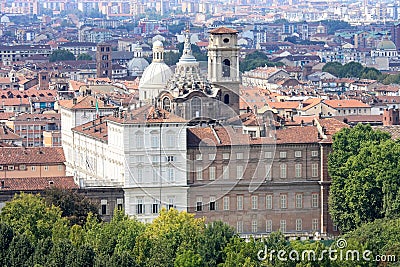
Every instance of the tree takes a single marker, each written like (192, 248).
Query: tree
(241, 253)
(255, 60)
(28, 214)
(74, 206)
(61, 55)
(171, 58)
(42, 251)
(364, 169)
(6, 236)
(20, 251)
(59, 253)
(84, 56)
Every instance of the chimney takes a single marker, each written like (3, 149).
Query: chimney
(2, 184)
(74, 101)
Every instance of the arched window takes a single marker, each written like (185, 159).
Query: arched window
(167, 104)
(226, 99)
(196, 107)
(226, 68)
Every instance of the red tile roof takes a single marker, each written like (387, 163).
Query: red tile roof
(223, 30)
(346, 103)
(96, 129)
(7, 133)
(85, 102)
(31, 155)
(37, 183)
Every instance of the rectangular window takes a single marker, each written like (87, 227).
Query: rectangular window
(139, 206)
(60, 167)
(314, 153)
(1, 167)
(268, 226)
(211, 157)
(170, 140)
(254, 226)
(139, 140)
(103, 204)
(120, 203)
(199, 156)
(199, 204)
(299, 224)
(282, 227)
(297, 170)
(239, 226)
(314, 170)
(211, 173)
(314, 200)
(155, 176)
(170, 158)
(154, 207)
(225, 170)
(239, 172)
(299, 201)
(33, 168)
(10, 167)
(225, 156)
(212, 203)
(283, 170)
(283, 201)
(155, 159)
(226, 203)
(268, 202)
(254, 202)
(239, 155)
(239, 202)
(314, 224)
(268, 155)
(139, 175)
(199, 173)
(22, 167)
(171, 175)
(155, 141)
(297, 154)
(268, 169)
(282, 154)
(171, 202)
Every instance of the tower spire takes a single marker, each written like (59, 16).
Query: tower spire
(187, 48)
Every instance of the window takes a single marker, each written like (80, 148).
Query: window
(254, 226)
(171, 175)
(211, 157)
(103, 204)
(268, 202)
(268, 226)
(199, 204)
(199, 173)
(314, 170)
(10, 167)
(314, 224)
(283, 170)
(297, 170)
(225, 156)
(139, 140)
(282, 227)
(314, 200)
(33, 168)
(282, 154)
(268, 170)
(139, 206)
(297, 154)
(226, 99)
(211, 173)
(170, 140)
(225, 170)
(226, 203)
(299, 201)
(170, 158)
(155, 142)
(314, 153)
(268, 155)
(212, 203)
(139, 175)
(155, 176)
(239, 155)
(1, 168)
(22, 167)
(154, 207)
(226, 70)
(283, 201)
(239, 226)
(239, 202)
(46, 168)
(60, 167)
(254, 202)
(239, 172)
(299, 224)
(171, 202)
(199, 156)
(120, 204)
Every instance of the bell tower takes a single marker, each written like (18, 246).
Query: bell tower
(223, 65)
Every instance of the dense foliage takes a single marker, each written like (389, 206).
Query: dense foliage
(364, 167)
(352, 70)
(61, 55)
(255, 60)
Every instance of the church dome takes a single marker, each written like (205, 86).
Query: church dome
(137, 65)
(155, 75)
(386, 45)
(4, 19)
(157, 44)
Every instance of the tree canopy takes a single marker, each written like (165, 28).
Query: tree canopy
(364, 168)
(255, 60)
(61, 55)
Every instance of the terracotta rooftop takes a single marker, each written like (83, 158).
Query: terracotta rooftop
(31, 155)
(394, 130)
(360, 118)
(85, 102)
(346, 103)
(37, 183)
(331, 125)
(6, 133)
(223, 30)
(96, 129)
(297, 135)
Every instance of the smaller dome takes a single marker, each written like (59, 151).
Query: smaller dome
(157, 44)
(386, 45)
(5, 19)
(137, 65)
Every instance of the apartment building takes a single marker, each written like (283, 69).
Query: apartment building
(14, 53)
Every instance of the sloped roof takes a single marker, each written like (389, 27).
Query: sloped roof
(38, 183)
(31, 155)
(223, 30)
